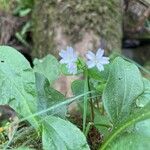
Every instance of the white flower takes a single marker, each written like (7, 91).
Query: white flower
(97, 60)
(69, 57)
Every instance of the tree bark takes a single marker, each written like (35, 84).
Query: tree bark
(85, 25)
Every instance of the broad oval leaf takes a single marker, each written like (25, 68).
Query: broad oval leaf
(122, 89)
(48, 66)
(59, 134)
(17, 83)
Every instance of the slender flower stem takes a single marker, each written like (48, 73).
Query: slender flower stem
(85, 101)
(91, 102)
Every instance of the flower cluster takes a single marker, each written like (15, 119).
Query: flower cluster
(69, 57)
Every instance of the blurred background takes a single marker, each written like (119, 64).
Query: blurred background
(39, 27)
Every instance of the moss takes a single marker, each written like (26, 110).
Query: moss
(101, 16)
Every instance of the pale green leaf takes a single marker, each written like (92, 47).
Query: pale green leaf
(131, 142)
(102, 123)
(99, 75)
(17, 83)
(48, 97)
(59, 134)
(143, 127)
(144, 98)
(48, 66)
(122, 89)
(24, 12)
(77, 87)
(140, 115)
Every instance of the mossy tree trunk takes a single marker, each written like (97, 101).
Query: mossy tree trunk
(86, 24)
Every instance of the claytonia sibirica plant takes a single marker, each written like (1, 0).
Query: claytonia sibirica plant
(69, 58)
(113, 98)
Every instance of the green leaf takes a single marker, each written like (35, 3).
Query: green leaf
(17, 83)
(64, 69)
(24, 12)
(96, 74)
(140, 115)
(143, 127)
(47, 96)
(21, 39)
(145, 97)
(59, 134)
(102, 123)
(122, 89)
(130, 142)
(77, 87)
(97, 85)
(26, 28)
(48, 66)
